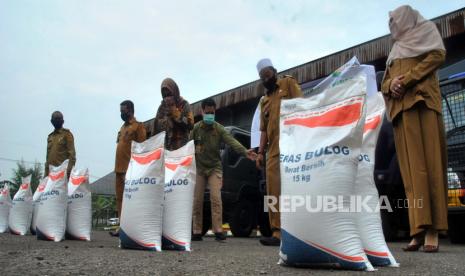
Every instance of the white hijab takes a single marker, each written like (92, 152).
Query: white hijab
(413, 35)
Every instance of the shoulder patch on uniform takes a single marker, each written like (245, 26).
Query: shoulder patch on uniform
(288, 76)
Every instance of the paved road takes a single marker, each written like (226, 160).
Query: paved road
(237, 256)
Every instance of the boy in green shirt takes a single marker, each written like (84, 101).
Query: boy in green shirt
(208, 136)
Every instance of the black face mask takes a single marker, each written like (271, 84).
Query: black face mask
(124, 117)
(270, 84)
(57, 123)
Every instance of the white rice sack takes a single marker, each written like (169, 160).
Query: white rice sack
(142, 210)
(180, 176)
(5, 206)
(35, 203)
(320, 140)
(369, 218)
(51, 218)
(21, 210)
(79, 218)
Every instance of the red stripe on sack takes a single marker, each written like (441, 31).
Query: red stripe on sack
(173, 166)
(372, 123)
(146, 244)
(175, 241)
(41, 188)
(15, 232)
(56, 176)
(78, 180)
(339, 116)
(147, 158)
(339, 255)
(24, 186)
(49, 237)
(378, 254)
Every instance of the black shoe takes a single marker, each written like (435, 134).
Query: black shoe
(114, 233)
(196, 237)
(271, 241)
(220, 237)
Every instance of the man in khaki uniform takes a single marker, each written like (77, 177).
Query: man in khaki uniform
(285, 87)
(130, 131)
(60, 145)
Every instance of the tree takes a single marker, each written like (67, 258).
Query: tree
(22, 171)
(103, 207)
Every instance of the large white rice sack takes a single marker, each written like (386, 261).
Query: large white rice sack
(142, 210)
(21, 210)
(369, 218)
(51, 218)
(79, 217)
(180, 176)
(320, 140)
(35, 203)
(5, 206)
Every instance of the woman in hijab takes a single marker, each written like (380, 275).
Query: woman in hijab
(413, 103)
(173, 116)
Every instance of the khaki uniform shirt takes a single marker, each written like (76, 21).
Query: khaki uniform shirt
(421, 82)
(208, 139)
(60, 146)
(270, 107)
(130, 131)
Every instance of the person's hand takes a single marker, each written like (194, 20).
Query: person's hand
(259, 161)
(251, 154)
(397, 88)
(169, 101)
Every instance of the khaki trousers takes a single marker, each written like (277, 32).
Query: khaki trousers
(215, 182)
(273, 188)
(421, 150)
(119, 189)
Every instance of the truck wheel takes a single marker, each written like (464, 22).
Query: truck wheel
(207, 220)
(264, 224)
(244, 219)
(457, 228)
(389, 225)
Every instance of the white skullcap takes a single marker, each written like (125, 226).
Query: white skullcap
(263, 63)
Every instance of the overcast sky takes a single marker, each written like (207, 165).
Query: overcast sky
(85, 57)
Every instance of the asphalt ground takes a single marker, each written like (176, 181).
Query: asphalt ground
(24, 255)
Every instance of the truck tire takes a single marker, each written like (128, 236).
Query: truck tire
(244, 219)
(264, 224)
(207, 220)
(389, 224)
(457, 228)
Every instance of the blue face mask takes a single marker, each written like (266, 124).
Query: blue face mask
(208, 118)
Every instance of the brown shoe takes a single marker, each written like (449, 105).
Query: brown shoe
(430, 248)
(412, 247)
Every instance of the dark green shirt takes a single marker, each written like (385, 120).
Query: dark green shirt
(207, 139)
